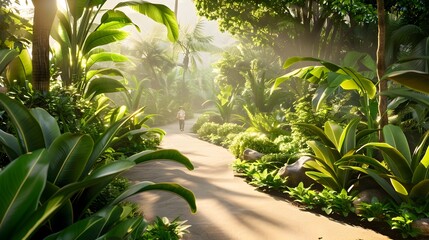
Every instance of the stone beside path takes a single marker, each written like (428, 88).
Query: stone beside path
(228, 208)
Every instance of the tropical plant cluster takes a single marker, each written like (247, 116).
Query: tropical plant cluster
(65, 142)
(329, 107)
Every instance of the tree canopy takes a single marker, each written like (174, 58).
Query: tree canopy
(296, 27)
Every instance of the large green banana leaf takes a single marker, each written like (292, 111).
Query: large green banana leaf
(413, 79)
(10, 145)
(97, 56)
(6, 56)
(48, 124)
(30, 134)
(56, 201)
(123, 229)
(103, 37)
(157, 12)
(397, 163)
(118, 18)
(104, 141)
(19, 70)
(103, 85)
(88, 228)
(68, 155)
(161, 154)
(21, 185)
(186, 194)
(395, 137)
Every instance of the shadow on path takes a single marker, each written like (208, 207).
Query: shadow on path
(228, 208)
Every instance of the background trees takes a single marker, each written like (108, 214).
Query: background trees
(305, 28)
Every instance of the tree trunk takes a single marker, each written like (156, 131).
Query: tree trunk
(44, 14)
(381, 66)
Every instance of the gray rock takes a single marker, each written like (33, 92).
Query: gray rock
(422, 225)
(295, 173)
(368, 196)
(251, 155)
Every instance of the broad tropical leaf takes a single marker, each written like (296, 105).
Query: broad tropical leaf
(116, 17)
(21, 185)
(68, 155)
(104, 141)
(162, 154)
(88, 228)
(416, 80)
(394, 136)
(123, 229)
(6, 56)
(158, 13)
(420, 190)
(186, 194)
(20, 69)
(103, 37)
(10, 145)
(29, 132)
(54, 203)
(103, 85)
(397, 163)
(101, 56)
(48, 124)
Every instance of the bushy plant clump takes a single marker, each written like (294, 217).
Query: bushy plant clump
(163, 228)
(208, 129)
(66, 105)
(219, 134)
(252, 140)
(204, 118)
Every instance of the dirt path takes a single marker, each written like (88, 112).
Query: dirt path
(228, 208)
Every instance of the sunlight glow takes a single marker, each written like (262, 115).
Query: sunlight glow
(61, 4)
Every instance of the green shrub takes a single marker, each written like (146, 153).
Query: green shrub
(204, 118)
(228, 140)
(253, 140)
(270, 180)
(286, 144)
(66, 105)
(229, 128)
(207, 129)
(163, 229)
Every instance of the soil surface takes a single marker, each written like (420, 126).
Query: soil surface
(229, 208)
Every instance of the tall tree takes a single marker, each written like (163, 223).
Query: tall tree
(296, 27)
(381, 65)
(44, 14)
(191, 43)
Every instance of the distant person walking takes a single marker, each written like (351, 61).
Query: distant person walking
(181, 116)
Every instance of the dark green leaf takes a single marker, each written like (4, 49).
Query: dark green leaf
(48, 124)
(29, 132)
(103, 85)
(186, 194)
(68, 155)
(21, 185)
(157, 12)
(162, 154)
(6, 56)
(412, 79)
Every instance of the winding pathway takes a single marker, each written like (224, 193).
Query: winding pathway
(229, 208)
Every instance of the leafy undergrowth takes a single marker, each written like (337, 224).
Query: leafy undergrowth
(340, 211)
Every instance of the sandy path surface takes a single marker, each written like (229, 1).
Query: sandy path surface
(228, 208)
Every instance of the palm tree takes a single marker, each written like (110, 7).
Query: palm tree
(192, 42)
